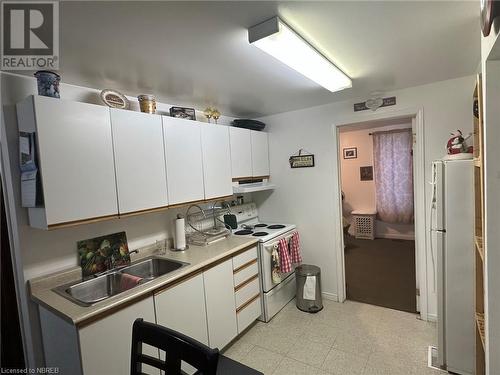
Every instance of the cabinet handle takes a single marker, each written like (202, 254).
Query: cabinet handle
(246, 282)
(247, 303)
(247, 264)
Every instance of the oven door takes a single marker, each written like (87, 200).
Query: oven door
(266, 250)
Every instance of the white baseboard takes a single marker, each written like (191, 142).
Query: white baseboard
(432, 318)
(330, 296)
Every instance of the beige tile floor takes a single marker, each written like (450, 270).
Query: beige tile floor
(343, 339)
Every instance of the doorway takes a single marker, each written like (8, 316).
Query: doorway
(376, 168)
(360, 119)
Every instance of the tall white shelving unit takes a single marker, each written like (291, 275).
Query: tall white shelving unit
(490, 72)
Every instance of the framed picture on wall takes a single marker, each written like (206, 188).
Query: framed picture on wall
(366, 173)
(350, 153)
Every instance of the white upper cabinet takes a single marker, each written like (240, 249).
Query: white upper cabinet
(139, 160)
(216, 161)
(221, 309)
(75, 152)
(182, 141)
(241, 152)
(260, 153)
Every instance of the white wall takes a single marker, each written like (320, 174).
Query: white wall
(361, 195)
(40, 252)
(305, 196)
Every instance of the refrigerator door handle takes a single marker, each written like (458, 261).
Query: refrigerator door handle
(441, 308)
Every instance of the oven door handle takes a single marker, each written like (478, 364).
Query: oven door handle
(271, 246)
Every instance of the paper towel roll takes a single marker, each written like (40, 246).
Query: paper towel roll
(180, 235)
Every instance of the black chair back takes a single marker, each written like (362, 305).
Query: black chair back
(178, 347)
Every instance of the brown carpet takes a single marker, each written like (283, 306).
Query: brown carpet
(381, 272)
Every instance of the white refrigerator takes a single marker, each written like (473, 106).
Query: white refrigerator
(452, 223)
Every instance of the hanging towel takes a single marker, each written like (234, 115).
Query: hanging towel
(309, 288)
(275, 265)
(285, 263)
(295, 256)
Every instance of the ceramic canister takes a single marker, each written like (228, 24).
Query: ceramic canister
(147, 103)
(48, 83)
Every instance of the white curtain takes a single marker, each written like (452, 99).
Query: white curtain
(393, 170)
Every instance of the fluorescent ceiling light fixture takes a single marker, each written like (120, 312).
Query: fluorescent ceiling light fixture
(280, 41)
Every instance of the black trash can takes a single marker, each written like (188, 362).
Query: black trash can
(308, 281)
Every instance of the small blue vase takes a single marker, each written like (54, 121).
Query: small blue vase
(48, 83)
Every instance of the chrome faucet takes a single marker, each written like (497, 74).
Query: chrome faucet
(112, 263)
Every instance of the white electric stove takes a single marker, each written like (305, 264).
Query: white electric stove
(274, 295)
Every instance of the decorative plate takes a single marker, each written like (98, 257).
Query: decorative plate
(114, 99)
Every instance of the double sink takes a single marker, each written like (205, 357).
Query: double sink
(89, 292)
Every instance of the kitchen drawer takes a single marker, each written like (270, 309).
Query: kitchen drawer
(245, 257)
(249, 314)
(247, 292)
(246, 273)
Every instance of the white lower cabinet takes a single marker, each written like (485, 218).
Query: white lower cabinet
(248, 314)
(247, 289)
(105, 345)
(221, 309)
(202, 307)
(182, 308)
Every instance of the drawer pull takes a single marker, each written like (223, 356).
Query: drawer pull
(248, 264)
(247, 303)
(245, 283)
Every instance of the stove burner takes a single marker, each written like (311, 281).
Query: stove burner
(260, 225)
(243, 232)
(260, 234)
(276, 226)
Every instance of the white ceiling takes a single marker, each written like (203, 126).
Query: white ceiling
(197, 53)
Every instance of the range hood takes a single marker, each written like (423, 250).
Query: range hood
(250, 187)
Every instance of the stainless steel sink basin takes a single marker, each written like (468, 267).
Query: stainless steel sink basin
(94, 290)
(86, 293)
(152, 268)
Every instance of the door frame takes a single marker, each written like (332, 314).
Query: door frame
(417, 115)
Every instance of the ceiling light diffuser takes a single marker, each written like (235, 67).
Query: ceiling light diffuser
(280, 41)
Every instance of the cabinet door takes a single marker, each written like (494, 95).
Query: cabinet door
(260, 153)
(184, 160)
(216, 161)
(139, 160)
(241, 152)
(182, 308)
(105, 345)
(221, 310)
(76, 160)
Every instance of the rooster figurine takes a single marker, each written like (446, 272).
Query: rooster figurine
(456, 144)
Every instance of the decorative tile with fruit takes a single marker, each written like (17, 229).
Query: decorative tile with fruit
(103, 253)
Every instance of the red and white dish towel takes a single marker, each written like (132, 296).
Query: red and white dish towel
(295, 256)
(289, 252)
(285, 262)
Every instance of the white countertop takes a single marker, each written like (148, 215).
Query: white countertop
(198, 257)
